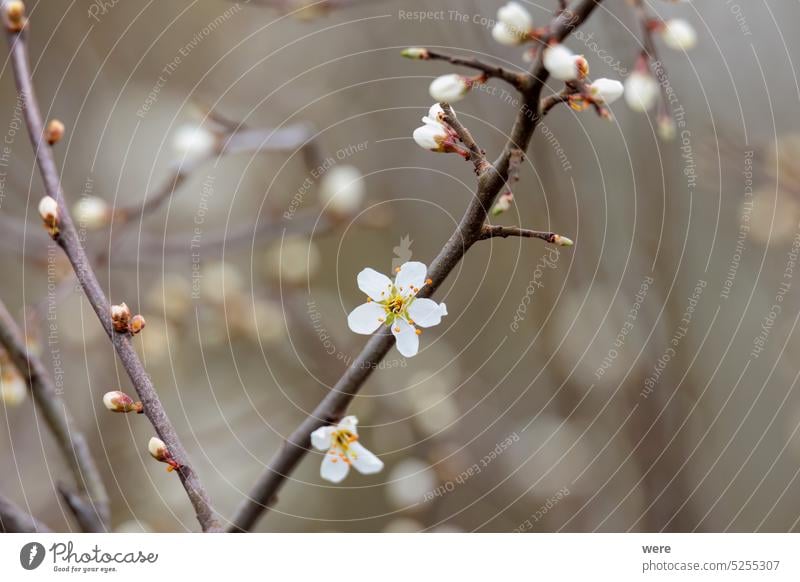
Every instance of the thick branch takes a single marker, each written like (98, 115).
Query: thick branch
(516, 80)
(15, 520)
(69, 241)
(469, 230)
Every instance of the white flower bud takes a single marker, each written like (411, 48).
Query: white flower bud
(641, 91)
(606, 90)
(503, 203)
(563, 64)
(158, 450)
(678, 34)
(436, 114)
(48, 210)
(194, 142)
(666, 127)
(516, 17)
(449, 88)
(342, 190)
(505, 35)
(91, 212)
(14, 15)
(54, 131)
(117, 401)
(431, 136)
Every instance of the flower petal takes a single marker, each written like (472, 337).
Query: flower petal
(376, 285)
(366, 318)
(333, 468)
(426, 312)
(406, 336)
(411, 274)
(349, 423)
(363, 460)
(321, 438)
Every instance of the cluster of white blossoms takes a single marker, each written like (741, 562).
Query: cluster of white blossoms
(396, 306)
(342, 449)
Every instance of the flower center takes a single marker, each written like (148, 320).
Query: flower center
(342, 439)
(395, 304)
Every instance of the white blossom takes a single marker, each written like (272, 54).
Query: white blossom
(91, 212)
(342, 190)
(342, 449)
(641, 91)
(563, 64)
(606, 90)
(194, 142)
(449, 88)
(514, 24)
(396, 305)
(678, 34)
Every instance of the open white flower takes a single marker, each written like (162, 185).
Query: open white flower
(563, 64)
(678, 34)
(606, 90)
(396, 305)
(342, 450)
(641, 91)
(449, 88)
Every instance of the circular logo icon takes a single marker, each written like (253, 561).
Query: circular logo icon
(31, 555)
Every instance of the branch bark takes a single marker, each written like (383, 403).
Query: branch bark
(469, 230)
(70, 439)
(69, 241)
(516, 80)
(15, 520)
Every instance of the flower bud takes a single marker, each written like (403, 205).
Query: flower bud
(137, 324)
(415, 53)
(606, 90)
(48, 210)
(117, 401)
(120, 317)
(503, 203)
(54, 131)
(516, 17)
(14, 15)
(91, 212)
(505, 35)
(194, 142)
(13, 389)
(665, 126)
(641, 91)
(678, 34)
(563, 65)
(160, 452)
(449, 88)
(562, 241)
(431, 136)
(342, 190)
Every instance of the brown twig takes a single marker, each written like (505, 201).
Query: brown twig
(492, 231)
(469, 230)
(15, 520)
(70, 439)
(476, 154)
(516, 80)
(650, 54)
(69, 241)
(87, 518)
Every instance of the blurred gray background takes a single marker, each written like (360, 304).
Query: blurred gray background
(685, 428)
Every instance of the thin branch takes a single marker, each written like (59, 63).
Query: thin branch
(650, 54)
(492, 231)
(69, 241)
(476, 155)
(15, 520)
(516, 80)
(70, 439)
(84, 514)
(469, 230)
